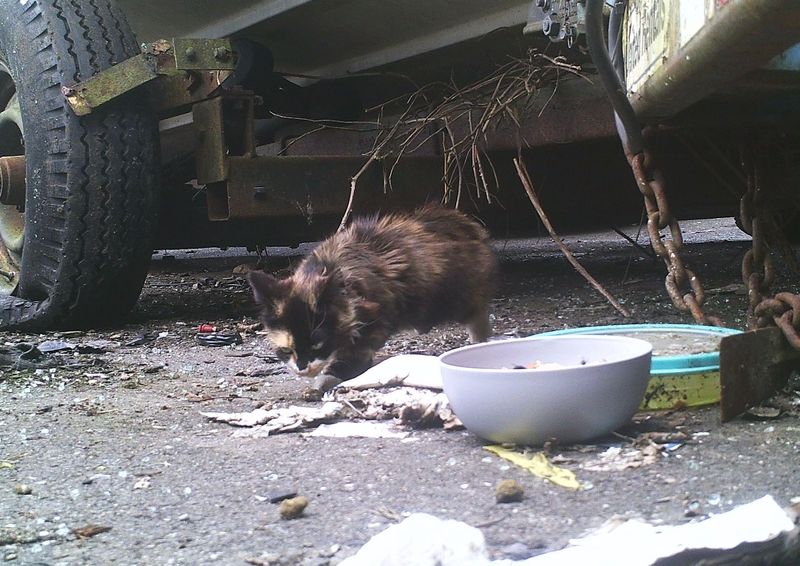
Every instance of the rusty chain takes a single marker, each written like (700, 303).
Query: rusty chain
(758, 269)
(683, 286)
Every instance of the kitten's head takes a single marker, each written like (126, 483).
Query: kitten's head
(302, 315)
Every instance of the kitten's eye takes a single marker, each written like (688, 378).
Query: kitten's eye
(318, 346)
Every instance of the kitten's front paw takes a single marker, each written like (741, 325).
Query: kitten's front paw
(325, 382)
(312, 394)
(322, 384)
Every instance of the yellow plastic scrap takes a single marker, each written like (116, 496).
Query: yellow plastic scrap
(538, 465)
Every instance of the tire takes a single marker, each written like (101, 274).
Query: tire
(90, 197)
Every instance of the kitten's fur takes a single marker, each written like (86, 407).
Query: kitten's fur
(376, 277)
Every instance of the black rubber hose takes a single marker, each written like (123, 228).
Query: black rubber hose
(627, 124)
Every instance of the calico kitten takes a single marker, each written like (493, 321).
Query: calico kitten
(372, 279)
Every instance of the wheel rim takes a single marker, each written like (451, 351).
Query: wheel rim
(12, 217)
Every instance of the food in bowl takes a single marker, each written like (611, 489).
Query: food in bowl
(598, 386)
(538, 364)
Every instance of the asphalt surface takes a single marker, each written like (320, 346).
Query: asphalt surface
(106, 459)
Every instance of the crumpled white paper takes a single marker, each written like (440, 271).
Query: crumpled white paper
(636, 543)
(264, 422)
(424, 540)
(363, 429)
(410, 370)
(405, 387)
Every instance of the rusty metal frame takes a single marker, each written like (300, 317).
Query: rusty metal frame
(243, 186)
(271, 187)
(161, 58)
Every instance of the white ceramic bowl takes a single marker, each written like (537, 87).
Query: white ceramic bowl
(598, 388)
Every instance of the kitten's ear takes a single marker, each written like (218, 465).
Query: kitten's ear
(266, 288)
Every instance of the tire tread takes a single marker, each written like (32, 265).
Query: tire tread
(103, 166)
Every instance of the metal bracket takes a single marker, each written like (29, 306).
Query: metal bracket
(224, 126)
(203, 54)
(559, 20)
(161, 58)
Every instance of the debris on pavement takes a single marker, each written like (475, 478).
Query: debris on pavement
(206, 328)
(244, 327)
(142, 483)
(762, 413)
(29, 352)
(10, 535)
(216, 339)
(90, 530)
(760, 528)
(508, 491)
(749, 527)
(694, 509)
(618, 458)
(423, 539)
(538, 464)
(49, 346)
(25, 356)
(265, 422)
(363, 429)
(277, 496)
(140, 340)
(420, 408)
(258, 371)
(23, 489)
(96, 347)
(381, 393)
(293, 508)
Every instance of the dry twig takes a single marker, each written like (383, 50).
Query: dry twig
(522, 171)
(462, 117)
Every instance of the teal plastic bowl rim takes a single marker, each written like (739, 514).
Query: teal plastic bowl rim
(662, 365)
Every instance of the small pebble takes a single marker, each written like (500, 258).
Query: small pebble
(508, 491)
(293, 508)
(693, 509)
(23, 489)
